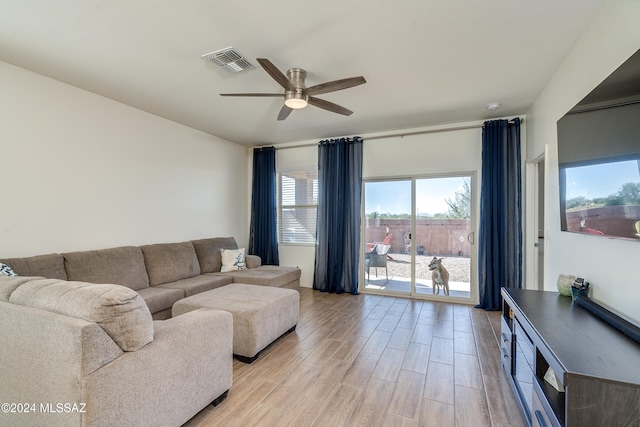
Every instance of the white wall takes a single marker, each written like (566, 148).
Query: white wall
(610, 265)
(80, 172)
(426, 154)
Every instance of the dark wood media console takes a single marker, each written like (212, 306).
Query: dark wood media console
(596, 367)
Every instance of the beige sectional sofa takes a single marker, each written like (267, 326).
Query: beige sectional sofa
(84, 340)
(161, 273)
(83, 354)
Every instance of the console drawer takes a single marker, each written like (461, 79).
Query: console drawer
(542, 415)
(507, 361)
(506, 336)
(506, 345)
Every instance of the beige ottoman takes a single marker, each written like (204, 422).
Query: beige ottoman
(261, 314)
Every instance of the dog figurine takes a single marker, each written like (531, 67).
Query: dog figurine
(439, 276)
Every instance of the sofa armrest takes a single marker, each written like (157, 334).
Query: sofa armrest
(253, 261)
(190, 361)
(43, 357)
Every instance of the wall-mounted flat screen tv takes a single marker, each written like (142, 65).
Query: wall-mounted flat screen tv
(599, 158)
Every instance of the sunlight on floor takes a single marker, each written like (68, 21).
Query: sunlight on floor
(423, 286)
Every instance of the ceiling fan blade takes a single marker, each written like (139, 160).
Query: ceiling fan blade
(284, 112)
(251, 94)
(276, 74)
(335, 85)
(329, 106)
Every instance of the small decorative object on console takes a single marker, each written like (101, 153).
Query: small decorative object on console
(565, 282)
(579, 288)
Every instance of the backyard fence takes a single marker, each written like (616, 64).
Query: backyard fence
(438, 237)
(609, 220)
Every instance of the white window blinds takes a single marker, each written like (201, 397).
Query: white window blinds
(297, 206)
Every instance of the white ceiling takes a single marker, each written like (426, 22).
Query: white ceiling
(426, 62)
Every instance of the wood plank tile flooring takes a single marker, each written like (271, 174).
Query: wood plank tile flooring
(372, 360)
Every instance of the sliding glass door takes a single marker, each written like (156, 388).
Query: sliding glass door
(387, 229)
(418, 235)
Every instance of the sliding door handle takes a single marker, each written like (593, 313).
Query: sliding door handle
(471, 238)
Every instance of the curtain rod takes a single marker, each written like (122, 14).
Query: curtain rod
(395, 135)
(422, 132)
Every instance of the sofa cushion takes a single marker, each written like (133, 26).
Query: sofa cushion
(50, 266)
(266, 275)
(198, 284)
(168, 262)
(208, 251)
(122, 266)
(232, 260)
(158, 299)
(252, 261)
(10, 284)
(120, 311)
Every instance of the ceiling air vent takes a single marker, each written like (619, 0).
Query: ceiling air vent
(229, 60)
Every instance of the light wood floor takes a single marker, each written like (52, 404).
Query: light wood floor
(369, 360)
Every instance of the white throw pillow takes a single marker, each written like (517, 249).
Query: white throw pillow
(6, 270)
(233, 259)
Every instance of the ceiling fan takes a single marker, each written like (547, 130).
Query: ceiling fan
(297, 95)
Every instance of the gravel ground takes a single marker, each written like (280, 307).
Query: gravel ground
(400, 266)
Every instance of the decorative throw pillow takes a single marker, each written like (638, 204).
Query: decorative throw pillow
(6, 270)
(233, 259)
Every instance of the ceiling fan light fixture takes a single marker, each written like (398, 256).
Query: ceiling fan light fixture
(296, 100)
(295, 103)
(296, 93)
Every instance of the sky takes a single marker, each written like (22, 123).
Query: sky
(601, 180)
(395, 196)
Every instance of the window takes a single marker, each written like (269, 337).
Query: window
(297, 206)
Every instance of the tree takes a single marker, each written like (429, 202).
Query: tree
(576, 202)
(630, 193)
(614, 200)
(460, 206)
